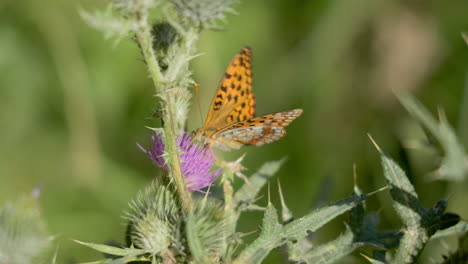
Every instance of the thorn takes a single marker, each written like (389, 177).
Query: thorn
(248, 234)
(366, 257)
(158, 130)
(269, 198)
(378, 190)
(354, 174)
(205, 198)
(283, 160)
(465, 36)
(79, 242)
(257, 199)
(441, 114)
(54, 258)
(281, 193)
(286, 213)
(375, 144)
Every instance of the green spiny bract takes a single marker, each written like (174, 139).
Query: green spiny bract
(157, 225)
(203, 13)
(155, 222)
(23, 236)
(134, 7)
(207, 231)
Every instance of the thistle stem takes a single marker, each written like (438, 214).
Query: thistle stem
(144, 39)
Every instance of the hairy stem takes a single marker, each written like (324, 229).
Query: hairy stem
(144, 39)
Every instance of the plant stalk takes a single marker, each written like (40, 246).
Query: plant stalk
(144, 39)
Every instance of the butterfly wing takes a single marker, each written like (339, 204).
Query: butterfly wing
(255, 131)
(234, 100)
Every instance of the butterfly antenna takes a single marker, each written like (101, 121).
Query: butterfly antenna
(197, 98)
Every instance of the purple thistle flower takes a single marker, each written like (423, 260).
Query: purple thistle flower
(196, 161)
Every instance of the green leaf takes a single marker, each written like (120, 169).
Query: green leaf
(407, 206)
(461, 227)
(453, 165)
(249, 191)
(122, 260)
(356, 217)
(311, 222)
(405, 198)
(112, 250)
(269, 238)
(419, 223)
(363, 231)
(274, 235)
(334, 250)
(297, 250)
(194, 243)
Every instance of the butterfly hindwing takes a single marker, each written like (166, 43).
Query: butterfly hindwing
(230, 122)
(260, 130)
(234, 100)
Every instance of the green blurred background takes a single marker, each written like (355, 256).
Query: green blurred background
(73, 104)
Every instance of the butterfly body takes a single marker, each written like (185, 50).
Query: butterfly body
(231, 121)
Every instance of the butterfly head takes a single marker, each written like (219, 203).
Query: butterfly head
(198, 135)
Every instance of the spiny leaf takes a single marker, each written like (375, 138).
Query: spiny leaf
(363, 232)
(112, 250)
(406, 204)
(311, 222)
(274, 235)
(334, 250)
(122, 260)
(453, 165)
(461, 227)
(269, 238)
(405, 198)
(298, 249)
(249, 191)
(357, 214)
(419, 223)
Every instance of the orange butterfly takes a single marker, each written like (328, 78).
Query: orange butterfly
(230, 122)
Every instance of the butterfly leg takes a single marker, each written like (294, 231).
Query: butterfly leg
(213, 154)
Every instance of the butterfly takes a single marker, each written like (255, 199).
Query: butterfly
(231, 121)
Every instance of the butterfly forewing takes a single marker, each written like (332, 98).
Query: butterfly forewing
(230, 122)
(234, 100)
(258, 131)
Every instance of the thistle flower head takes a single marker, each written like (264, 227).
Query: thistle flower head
(155, 222)
(203, 13)
(196, 161)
